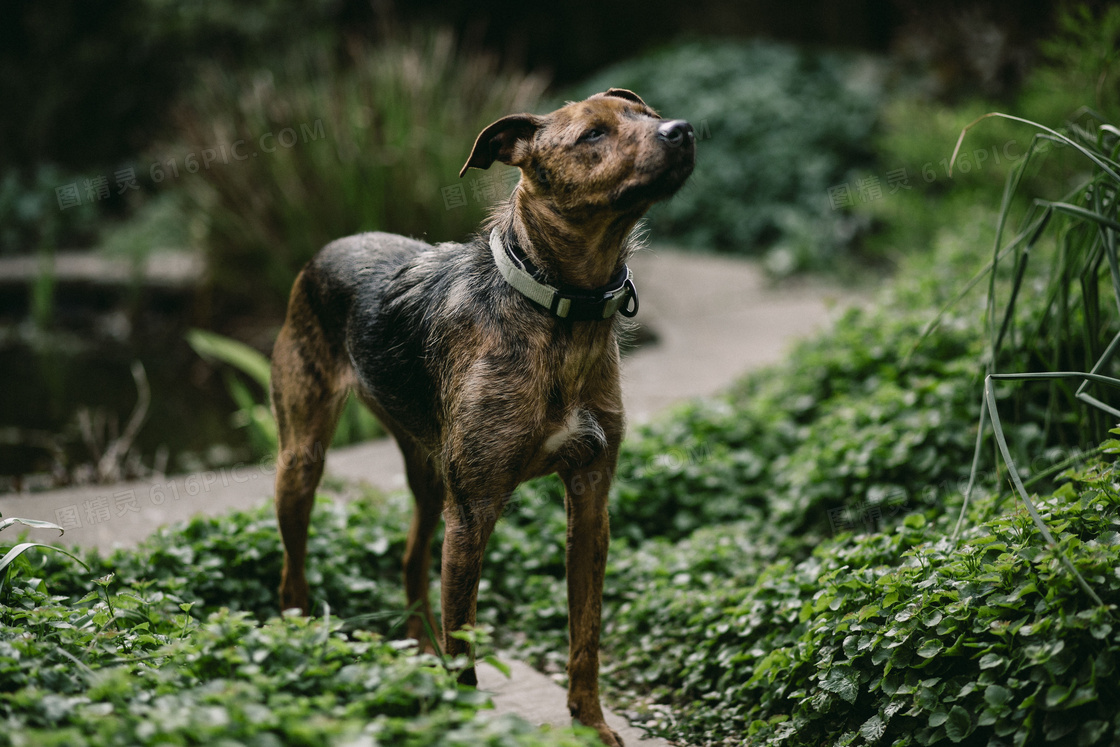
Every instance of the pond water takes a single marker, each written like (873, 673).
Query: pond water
(78, 367)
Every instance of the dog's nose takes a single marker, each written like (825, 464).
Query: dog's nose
(675, 132)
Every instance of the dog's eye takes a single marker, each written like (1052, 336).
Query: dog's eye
(592, 135)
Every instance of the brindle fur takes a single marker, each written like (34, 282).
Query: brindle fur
(481, 388)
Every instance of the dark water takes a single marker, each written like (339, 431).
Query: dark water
(82, 359)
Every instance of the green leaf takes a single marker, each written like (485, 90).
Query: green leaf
(997, 696)
(1091, 732)
(990, 661)
(842, 680)
(23, 547)
(33, 523)
(1059, 724)
(498, 664)
(873, 729)
(914, 521)
(959, 724)
(213, 347)
(1057, 694)
(930, 648)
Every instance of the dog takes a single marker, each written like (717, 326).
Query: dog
(490, 362)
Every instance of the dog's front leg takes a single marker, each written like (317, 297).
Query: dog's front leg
(468, 525)
(588, 538)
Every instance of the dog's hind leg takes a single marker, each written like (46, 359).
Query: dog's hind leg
(427, 485)
(308, 392)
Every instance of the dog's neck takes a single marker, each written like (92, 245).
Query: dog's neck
(584, 256)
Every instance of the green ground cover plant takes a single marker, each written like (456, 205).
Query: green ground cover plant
(135, 667)
(897, 637)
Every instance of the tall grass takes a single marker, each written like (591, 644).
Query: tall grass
(1065, 318)
(335, 145)
(1060, 326)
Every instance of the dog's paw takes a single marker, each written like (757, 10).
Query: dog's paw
(608, 736)
(593, 717)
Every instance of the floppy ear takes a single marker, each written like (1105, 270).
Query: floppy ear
(622, 93)
(496, 142)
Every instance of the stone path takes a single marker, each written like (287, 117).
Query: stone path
(714, 318)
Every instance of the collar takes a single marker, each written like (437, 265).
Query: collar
(565, 302)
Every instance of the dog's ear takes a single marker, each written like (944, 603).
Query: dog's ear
(622, 93)
(496, 142)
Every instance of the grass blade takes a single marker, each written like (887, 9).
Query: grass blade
(23, 547)
(33, 523)
(1103, 163)
(1001, 441)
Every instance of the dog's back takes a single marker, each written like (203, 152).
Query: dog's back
(389, 310)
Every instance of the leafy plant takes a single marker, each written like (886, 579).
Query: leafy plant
(149, 673)
(355, 424)
(853, 424)
(11, 557)
(1075, 324)
(897, 637)
(1086, 262)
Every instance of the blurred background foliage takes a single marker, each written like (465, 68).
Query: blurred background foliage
(246, 136)
(373, 140)
(779, 126)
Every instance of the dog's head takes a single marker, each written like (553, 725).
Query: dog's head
(610, 154)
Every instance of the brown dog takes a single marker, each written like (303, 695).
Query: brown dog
(490, 362)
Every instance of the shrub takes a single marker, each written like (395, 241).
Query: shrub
(854, 421)
(778, 127)
(897, 637)
(329, 149)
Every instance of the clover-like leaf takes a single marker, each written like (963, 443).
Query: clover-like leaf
(997, 696)
(959, 724)
(930, 648)
(842, 680)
